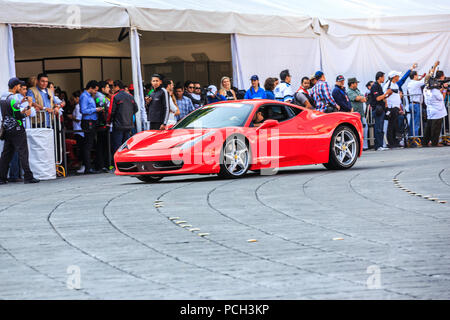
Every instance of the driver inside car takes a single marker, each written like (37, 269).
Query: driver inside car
(258, 118)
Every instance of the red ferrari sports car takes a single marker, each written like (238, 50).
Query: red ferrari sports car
(230, 138)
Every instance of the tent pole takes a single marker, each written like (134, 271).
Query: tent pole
(137, 78)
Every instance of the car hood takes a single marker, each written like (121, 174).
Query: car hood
(163, 139)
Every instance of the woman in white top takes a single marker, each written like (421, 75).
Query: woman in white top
(174, 111)
(394, 104)
(436, 112)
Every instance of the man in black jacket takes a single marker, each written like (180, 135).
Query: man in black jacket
(378, 104)
(158, 107)
(15, 134)
(121, 112)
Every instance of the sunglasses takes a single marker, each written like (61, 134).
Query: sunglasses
(191, 87)
(197, 88)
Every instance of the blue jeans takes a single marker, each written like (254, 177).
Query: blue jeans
(14, 167)
(414, 121)
(118, 137)
(378, 127)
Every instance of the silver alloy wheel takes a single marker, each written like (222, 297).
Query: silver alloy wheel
(345, 147)
(236, 156)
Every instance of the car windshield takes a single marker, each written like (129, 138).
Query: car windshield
(217, 116)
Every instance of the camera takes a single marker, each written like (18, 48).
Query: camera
(434, 83)
(204, 91)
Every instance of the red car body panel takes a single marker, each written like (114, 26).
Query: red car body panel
(302, 140)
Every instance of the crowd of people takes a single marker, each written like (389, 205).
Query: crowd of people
(106, 110)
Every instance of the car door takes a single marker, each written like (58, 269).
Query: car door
(280, 143)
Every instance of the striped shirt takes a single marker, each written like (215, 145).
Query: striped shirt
(322, 95)
(185, 105)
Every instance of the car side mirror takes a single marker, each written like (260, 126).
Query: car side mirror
(170, 126)
(270, 123)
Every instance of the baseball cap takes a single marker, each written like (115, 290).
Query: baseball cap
(14, 82)
(352, 80)
(340, 78)
(313, 76)
(394, 73)
(212, 90)
(318, 74)
(254, 77)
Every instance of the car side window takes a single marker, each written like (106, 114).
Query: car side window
(280, 112)
(293, 111)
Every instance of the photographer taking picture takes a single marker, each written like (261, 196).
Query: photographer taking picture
(434, 96)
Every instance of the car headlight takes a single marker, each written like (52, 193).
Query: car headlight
(123, 146)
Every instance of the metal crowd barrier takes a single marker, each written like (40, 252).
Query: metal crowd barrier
(414, 136)
(408, 103)
(370, 121)
(43, 119)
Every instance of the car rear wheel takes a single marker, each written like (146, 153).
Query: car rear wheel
(235, 158)
(344, 149)
(149, 178)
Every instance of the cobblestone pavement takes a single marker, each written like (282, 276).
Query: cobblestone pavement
(305, 233)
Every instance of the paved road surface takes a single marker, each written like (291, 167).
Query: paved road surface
(315, 234)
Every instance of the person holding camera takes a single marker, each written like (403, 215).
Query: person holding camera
(434, 96)
(394, 103)
(213, 95)
(14, 132)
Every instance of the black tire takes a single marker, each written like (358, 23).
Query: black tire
(149, 178)
(344, 149)
(240, 161)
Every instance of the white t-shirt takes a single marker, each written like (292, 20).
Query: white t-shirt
(23, 106)
(415, 90)
(77, 116)
(394, 99)
(283, 92)
(173, 109)
(435, 103)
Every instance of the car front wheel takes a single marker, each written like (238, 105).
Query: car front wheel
(235, 158)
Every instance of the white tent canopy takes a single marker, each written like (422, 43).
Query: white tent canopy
(250, 17)
(64, 14)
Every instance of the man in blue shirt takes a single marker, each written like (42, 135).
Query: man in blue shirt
(89, 109)
(43, 99)
(340, 95)
(255, 92)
